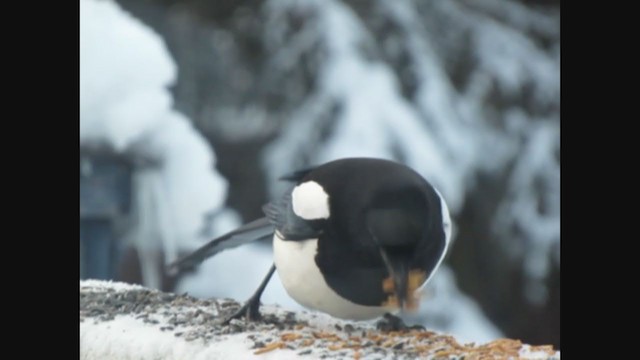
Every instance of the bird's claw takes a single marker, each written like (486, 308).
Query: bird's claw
(250, 311)
(391, 322)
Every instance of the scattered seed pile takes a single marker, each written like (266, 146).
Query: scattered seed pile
(308, 334)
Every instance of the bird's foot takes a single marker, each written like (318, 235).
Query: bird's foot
(250, 311)
(391, 322)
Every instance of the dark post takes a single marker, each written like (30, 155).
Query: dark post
(105, 195)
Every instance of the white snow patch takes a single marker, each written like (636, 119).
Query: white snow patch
(125, 69)
(128, 338)
(104, 285)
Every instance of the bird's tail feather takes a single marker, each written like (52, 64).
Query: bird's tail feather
(253, 231)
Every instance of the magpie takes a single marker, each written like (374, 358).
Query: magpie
(355, 238)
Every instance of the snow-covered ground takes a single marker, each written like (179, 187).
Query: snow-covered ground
(119, 321)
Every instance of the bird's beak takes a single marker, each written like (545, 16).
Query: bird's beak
(397, 284)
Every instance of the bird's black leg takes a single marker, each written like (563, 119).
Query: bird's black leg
(251, 309)
(391, 322)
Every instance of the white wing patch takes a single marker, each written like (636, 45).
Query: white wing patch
(310, 201)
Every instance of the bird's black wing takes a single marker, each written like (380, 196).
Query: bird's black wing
(253, 231)
(296, 176)
(281, 216)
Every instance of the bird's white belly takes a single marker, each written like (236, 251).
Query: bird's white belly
(301, 277)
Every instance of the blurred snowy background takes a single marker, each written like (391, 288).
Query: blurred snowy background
(190, 110)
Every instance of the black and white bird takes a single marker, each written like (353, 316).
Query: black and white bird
(354, 238)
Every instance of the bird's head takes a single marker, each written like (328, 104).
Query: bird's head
(397, 223)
